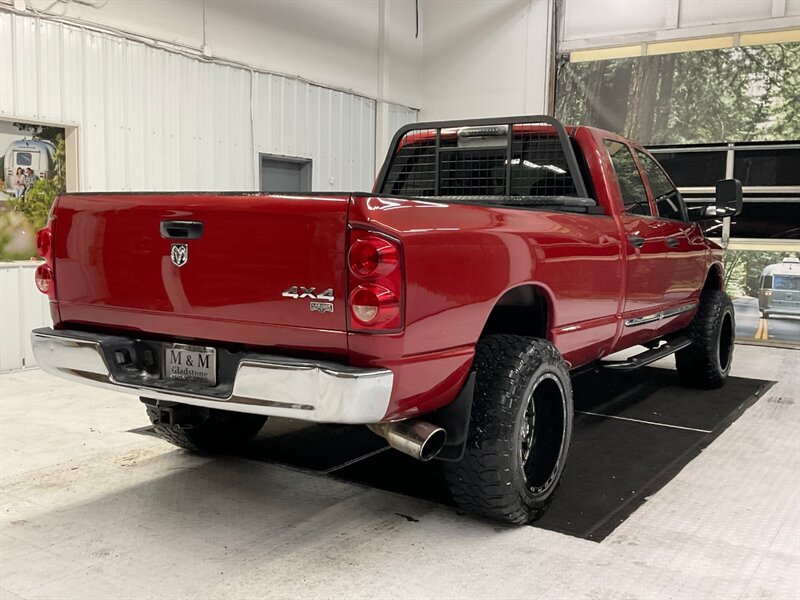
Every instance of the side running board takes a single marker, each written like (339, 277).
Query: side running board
(648, 356)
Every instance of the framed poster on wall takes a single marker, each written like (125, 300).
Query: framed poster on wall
(37, 163)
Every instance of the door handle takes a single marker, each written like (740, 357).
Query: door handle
(636, 241)
(672, 242)
(181, 230)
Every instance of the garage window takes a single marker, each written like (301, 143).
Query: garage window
(693, 169)
(767, 166)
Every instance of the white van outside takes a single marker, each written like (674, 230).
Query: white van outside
(779, 292)
(38, 155)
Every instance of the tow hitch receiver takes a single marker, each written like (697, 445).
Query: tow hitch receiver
(173, 413)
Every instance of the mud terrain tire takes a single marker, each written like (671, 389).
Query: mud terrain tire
(707, 362)
(520, 430)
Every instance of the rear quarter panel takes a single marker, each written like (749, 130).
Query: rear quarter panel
(459, 260)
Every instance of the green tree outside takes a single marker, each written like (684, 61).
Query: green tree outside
(726, 95)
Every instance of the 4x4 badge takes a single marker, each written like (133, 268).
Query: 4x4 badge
(300, 292)
(179, 254)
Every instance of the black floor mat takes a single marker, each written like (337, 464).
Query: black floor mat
(620, 454)
(633, 433)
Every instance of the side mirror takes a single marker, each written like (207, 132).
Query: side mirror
(728, 199)
(728, 203)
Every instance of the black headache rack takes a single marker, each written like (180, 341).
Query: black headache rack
(526, 161)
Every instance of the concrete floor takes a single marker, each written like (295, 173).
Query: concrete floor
(91, 511)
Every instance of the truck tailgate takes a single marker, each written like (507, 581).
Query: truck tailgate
(114, 266)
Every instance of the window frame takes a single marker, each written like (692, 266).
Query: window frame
(645, 184)
(653, 200)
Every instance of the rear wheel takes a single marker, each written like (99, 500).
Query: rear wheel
(199, 429)
(707, 362)
(519, 431)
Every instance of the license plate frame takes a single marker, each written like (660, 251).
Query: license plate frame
(196, 364)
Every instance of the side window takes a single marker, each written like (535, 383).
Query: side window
(634, 196)
(668, 201)
(786, 282)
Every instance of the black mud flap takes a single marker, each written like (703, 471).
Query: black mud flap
(454, 418)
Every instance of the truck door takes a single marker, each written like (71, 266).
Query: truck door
(649, 272)
(686, 248)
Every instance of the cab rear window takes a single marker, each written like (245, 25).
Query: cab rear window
(501, 160)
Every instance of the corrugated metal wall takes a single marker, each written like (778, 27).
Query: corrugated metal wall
(399, 116)
(149, 119)
(22, 308)
(154, 120)
(336, 130)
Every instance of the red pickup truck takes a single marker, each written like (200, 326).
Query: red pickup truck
(446, 310)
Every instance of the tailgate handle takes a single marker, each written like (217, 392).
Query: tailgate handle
(181, 230)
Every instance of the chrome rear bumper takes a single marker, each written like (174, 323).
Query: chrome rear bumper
(324, 392)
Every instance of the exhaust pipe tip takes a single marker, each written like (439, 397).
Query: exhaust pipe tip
(433, 444)
(418, 439)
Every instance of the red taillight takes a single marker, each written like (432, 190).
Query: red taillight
(45, 280)
(375, 283)
(44, 243)
(372, 256)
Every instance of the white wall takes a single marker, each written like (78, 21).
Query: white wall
(149, 119)
(484, 59)
(587, 24)
(332, 43)
(22, 308)
(155, 116)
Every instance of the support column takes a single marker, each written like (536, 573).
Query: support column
(382, 132)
